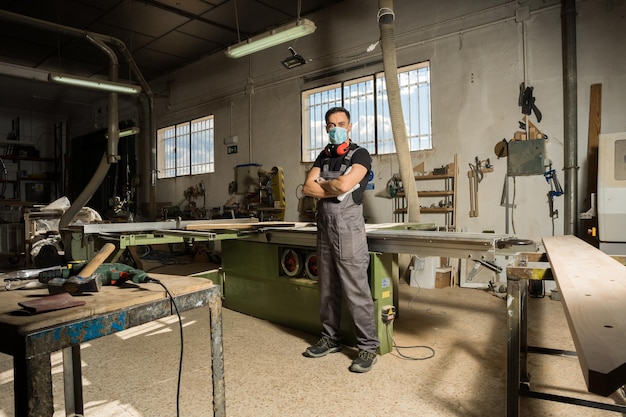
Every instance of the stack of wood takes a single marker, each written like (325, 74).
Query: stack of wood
(533, 132)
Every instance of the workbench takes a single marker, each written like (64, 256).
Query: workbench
(31, 339)
(592, 287)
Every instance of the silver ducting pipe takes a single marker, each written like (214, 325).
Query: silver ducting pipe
(110, 156)
(570, 120)
(147, 135)
(113, 130)
(387, 43)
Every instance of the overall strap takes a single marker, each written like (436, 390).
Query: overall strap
(347, 160)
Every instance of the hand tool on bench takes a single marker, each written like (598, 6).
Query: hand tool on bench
(86, 280)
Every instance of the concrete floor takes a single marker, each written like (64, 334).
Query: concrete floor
(134, 373)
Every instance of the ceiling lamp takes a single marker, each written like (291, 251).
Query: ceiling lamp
(93, 84)
(282, 34)
(126, 132)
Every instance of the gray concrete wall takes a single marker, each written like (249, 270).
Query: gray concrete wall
(478, 59)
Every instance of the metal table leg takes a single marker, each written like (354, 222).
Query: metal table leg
(73, 380)
(217, 354)
(513, 347)
(524, 381)
(32, 382)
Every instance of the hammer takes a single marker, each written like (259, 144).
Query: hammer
(85, 281)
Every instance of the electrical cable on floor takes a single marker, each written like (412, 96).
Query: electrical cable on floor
(397, 347)
(182, 344)
(403, 356)
(424, 309)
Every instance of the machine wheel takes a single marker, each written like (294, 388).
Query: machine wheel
(310, 266)
(291, 263)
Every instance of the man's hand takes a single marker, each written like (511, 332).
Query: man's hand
(340, 197)
(318, 187)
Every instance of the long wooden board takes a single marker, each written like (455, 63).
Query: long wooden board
(237, 225)
(593, 291)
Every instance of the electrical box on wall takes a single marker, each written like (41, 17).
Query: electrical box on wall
(526, 157)
(230, 140)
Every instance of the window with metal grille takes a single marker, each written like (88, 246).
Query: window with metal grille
(186, 148)
(366, 100)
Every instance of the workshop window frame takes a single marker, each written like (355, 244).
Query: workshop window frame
(186, 148)
(366, 99)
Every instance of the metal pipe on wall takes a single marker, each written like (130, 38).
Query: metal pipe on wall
(570, 120)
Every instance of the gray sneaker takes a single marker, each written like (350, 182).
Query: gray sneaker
(323, 347)
(363, 362)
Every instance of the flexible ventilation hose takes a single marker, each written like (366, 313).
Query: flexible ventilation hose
(387, 44)
(110, 156)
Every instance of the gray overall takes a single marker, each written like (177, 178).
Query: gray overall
(343, 259)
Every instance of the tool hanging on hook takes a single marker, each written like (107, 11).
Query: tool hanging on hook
(527, 102)
(475, 176)
(555, 190)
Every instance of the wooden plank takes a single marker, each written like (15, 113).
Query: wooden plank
(593, 138)
(595, 123)
(593, 291)
(237, 226)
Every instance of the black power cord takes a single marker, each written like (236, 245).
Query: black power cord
(398, 347)
(182, 342)
(406, 357)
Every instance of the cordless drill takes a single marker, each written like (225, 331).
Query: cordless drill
(118, 273)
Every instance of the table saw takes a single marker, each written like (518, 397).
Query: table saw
(269, 268)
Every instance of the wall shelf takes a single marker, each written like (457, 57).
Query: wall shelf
(447, 195)
(32, 178)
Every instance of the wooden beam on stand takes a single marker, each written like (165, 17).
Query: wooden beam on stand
(590, 226)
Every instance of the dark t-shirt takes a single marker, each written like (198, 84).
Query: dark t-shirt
(361, 156)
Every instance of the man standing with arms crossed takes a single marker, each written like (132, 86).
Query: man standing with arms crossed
(338, 179)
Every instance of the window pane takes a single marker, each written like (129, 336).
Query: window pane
(315, 104)
(414, 85)
(358, 98)
(186, 149)
(202, 146)
(366, 99)
(182, 149)
(384, 131)
(167, 152)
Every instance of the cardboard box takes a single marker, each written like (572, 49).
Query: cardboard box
(443, 277)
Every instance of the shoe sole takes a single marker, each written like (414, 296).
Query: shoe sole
(359, 369)
(310, 354)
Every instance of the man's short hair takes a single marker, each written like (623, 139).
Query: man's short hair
(334, 110)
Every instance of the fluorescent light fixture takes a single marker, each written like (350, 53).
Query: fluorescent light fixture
(126, 132)
(129, 132)
(93, 84)
(274, 37)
